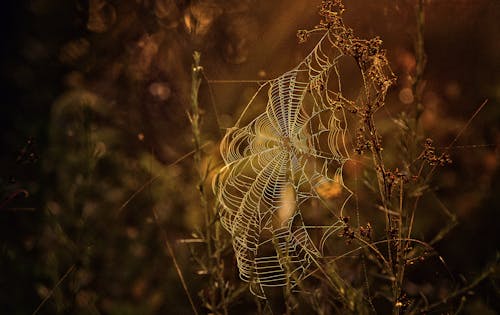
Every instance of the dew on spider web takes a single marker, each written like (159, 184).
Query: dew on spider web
(284, 164)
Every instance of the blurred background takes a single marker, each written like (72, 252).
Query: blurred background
(94, 135)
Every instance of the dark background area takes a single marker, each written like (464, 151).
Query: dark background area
(93, 105)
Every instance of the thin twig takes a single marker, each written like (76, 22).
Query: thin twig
(66, 274)
(176, 264)
(485, 274)
(153, 179)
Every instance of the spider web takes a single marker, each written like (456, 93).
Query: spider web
(280, 163)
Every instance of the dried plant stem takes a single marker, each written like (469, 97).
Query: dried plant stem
(453, 221)
(217, 288)
(400, 251)
(417, 88)
(405, 227)
(391, 218)
(194, 115)
(176, 264)
(485, 274)
(380, 171)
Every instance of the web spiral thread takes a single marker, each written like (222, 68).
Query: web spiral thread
(278, 163)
